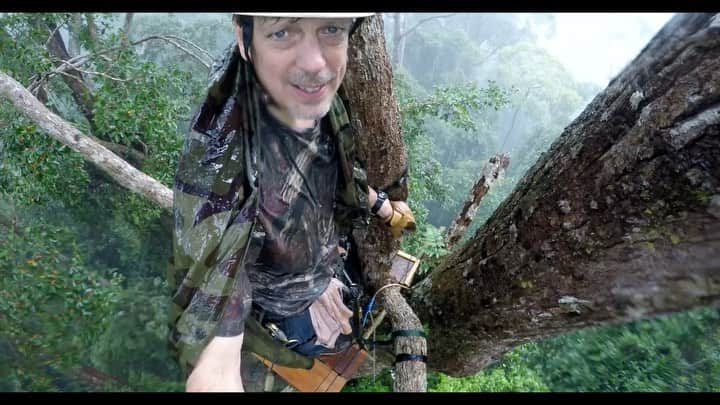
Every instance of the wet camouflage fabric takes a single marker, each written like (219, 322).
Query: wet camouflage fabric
(216, 202)
(297, 175)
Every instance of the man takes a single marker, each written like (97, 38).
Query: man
(267, 184)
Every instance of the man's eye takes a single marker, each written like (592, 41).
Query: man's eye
(332, 30)
(279, 34)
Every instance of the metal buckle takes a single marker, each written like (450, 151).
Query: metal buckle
(278, 334)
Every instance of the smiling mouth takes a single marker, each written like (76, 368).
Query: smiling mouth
(309, 89)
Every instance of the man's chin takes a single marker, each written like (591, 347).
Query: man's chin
(310, 114)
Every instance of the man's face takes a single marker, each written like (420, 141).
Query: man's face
(301, 64)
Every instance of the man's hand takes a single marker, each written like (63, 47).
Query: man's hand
(401, 220)
(218, 367)
(329, 315)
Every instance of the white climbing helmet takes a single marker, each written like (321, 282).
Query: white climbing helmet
(307, 15)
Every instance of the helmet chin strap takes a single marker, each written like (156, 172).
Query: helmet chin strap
(247, 30)
(356, 25)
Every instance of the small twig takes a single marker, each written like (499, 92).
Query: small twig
(74, 78)
(182, 48)
(96, 73)
(191, 43)
(78, 60)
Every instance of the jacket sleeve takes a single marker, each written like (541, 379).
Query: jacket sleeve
(352, 209)
(213, 217)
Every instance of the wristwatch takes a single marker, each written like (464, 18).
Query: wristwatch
(381, 197)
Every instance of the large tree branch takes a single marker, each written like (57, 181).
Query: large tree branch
(619, 220)
(122, 172)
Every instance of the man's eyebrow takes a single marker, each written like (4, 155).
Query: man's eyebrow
(272, 22)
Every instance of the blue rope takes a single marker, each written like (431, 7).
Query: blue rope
(367, 310)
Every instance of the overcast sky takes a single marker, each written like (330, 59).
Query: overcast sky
(596, 46)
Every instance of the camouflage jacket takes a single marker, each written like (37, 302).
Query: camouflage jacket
(215, 201)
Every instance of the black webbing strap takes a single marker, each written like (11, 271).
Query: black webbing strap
(399, 332)
(410, 357)
(408, 332)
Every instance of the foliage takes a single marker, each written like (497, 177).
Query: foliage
(669, 353)
(509, 375)
(53, 306)
(36, 169)
(134, 347)
(84, 222)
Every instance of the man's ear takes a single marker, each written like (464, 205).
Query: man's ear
(239, 37)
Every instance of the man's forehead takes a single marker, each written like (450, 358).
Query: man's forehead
(273, 21)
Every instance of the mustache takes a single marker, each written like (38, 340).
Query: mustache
(307, 79)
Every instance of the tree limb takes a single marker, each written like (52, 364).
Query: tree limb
(492, 170)
(135, 157)
(207, 54)
(88, 72)
(122, 172)
(169, 39)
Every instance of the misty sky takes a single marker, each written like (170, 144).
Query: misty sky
(596, 46)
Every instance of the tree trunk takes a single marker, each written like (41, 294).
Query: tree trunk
(126, 28)
(375, 114)
(81, 94)
(400, 34)
(74, 32)
(122, 172)
(619, 220)
(398, 38)
(92, 28)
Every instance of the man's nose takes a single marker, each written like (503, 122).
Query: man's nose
(310, 57)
